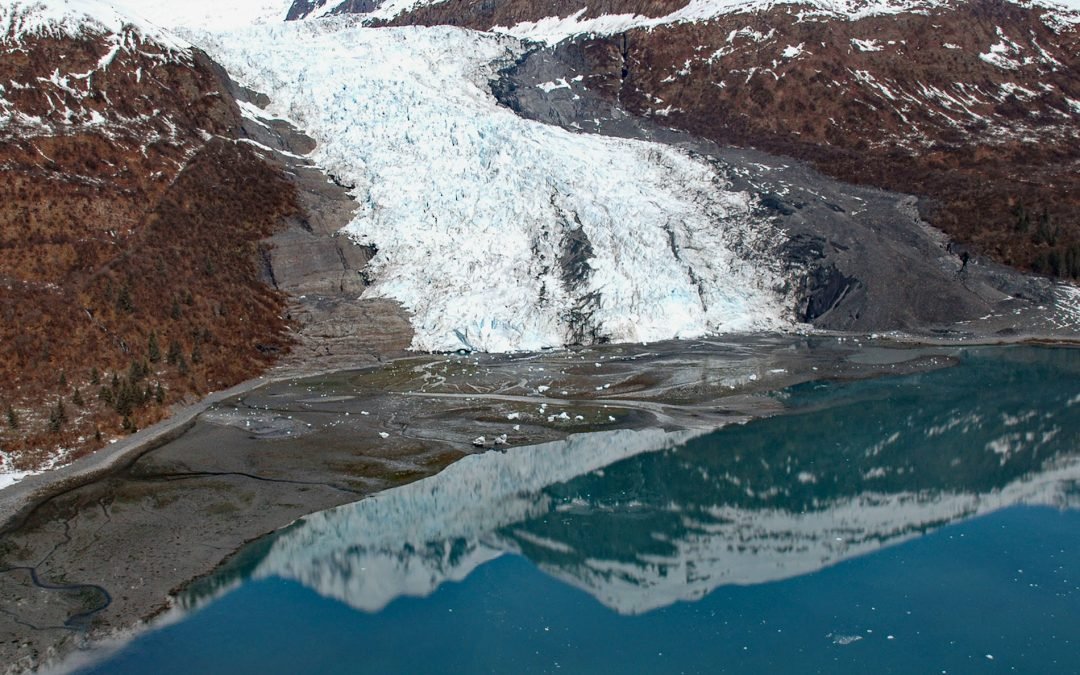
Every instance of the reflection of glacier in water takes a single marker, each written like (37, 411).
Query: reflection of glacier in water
(644, 519)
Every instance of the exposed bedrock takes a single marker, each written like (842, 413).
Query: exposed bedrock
(860, 258)
(322, 272)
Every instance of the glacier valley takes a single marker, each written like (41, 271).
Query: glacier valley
(499, 233)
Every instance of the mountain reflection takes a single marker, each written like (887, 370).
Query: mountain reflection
(644, 519)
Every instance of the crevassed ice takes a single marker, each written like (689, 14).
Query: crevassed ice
(476, 213)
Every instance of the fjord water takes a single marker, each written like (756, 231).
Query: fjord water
(924, 523)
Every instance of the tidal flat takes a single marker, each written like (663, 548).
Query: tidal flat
(99, 560)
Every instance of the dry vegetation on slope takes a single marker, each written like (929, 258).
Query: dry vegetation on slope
(485, 13)
(129, 230)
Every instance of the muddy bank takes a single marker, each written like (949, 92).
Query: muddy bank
(102, 557)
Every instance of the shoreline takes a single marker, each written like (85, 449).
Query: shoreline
(20, 498)
(175, 508)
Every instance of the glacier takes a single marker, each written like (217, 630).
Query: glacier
(498, 233)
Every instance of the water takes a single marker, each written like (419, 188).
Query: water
(919, 524)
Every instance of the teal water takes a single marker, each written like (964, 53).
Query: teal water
(926, 523)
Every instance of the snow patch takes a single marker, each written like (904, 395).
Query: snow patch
(997, 56)
(1060, 14)
(549, 87)
(867, 45)
(1022, 93)
(20, 19)
(792, 51)
(1004, 54)
(9, 475)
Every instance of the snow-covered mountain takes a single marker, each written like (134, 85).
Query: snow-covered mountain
(25, 19)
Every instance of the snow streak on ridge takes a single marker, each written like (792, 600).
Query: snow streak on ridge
(75, 18)
(499, 233)
(554, 29)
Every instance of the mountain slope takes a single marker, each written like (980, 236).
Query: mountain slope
(974, 106)
(129, 220)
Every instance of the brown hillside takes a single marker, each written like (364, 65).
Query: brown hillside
(129, 230)
(484, 14)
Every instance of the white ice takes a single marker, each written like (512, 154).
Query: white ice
(207, 14)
